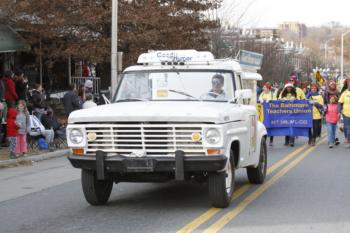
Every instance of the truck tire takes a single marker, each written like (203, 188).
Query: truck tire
(221, 185)
(256, 175)
(96, 192)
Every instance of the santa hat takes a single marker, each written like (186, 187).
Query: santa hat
(314, 85)
(288, 84)
(268, 86)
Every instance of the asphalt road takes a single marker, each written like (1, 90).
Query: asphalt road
(307, 190)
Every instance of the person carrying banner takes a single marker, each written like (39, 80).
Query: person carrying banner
(265, 96)
(344, 107)
(317, 100)
(289, 93)
(300, 93)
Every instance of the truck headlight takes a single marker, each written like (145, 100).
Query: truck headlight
(76, 136)
(213, 136)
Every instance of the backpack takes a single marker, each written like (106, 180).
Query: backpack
(42, 144)
(35, 127)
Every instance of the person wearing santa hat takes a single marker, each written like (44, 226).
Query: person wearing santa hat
(289, 93)
(300, 93)
(317, 111)
(265, 96)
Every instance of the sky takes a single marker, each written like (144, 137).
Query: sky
(269, 13)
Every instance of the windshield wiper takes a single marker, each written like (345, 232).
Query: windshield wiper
(131, 100)
(184, 93)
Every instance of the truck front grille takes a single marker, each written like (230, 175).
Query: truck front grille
(153, 138)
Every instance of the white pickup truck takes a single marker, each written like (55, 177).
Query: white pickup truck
(177, 115)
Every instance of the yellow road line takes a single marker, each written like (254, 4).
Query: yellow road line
(229, 216)
(212, 211)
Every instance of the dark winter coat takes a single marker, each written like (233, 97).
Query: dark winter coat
(21, 89)
(71, 102)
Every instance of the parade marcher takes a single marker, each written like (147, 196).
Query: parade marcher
(11, 129)
(332, 118)
(10, 88)
(22, 120)
(71, 100)
(289, 93)
(317, 101)
(294, 80)
(265, 96)
(331, 91)
(89, 103)
(344, 104)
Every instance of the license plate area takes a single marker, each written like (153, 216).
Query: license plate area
(139, 165)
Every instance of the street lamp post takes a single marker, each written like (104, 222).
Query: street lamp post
(326, 51)
(342, 54)
(114, 55)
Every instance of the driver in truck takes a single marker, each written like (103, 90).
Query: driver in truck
(216, 92)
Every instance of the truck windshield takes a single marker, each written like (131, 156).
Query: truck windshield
(173, 85)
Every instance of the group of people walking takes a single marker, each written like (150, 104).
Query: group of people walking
(330, 104)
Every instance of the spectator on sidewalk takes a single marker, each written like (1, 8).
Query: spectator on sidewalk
(71, 100)
(21, 85)
(12, 129)
(89, 86)
(38, 101)
(51, 122)
(10, 88)
(22, 120)
(89, 103)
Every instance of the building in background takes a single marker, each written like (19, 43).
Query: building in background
(297, 28)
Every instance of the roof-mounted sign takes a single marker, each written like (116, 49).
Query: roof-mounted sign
(252, 59)
(184, 56)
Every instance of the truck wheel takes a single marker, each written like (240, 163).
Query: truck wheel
(96, 192)
(221, 185)
(256, 175)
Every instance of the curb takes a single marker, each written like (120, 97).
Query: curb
(35, 158)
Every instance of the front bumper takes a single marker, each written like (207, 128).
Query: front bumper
(120, 164)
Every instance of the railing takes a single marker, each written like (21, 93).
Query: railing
(77, 81)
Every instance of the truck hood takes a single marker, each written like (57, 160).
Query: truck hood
(160, 111)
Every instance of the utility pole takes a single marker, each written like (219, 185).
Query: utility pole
(114, 72)
(342, 54)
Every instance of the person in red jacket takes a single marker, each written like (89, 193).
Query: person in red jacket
(12, 129)
(10, 88)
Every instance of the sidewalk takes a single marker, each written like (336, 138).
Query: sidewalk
(31, 157)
